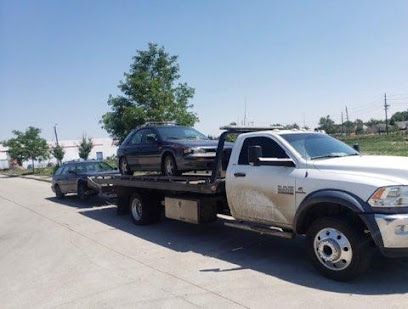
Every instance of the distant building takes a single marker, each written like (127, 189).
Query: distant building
(4, 158)
(102, 149)
(402, 125)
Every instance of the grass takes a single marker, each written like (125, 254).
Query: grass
(42, 171)
(394, 144)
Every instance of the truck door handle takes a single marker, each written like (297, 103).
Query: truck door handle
(239, 174)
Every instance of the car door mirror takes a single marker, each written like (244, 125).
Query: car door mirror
(356, 147)
(72, 172)
(254, 153)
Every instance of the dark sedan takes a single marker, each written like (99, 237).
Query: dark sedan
(71, 177)
(171, 149)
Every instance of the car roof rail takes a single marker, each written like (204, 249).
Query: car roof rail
(160, 123)
(243, 129)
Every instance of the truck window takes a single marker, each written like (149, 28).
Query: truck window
(270, 149)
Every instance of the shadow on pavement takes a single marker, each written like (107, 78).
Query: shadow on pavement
(74, 201)
(273, 256)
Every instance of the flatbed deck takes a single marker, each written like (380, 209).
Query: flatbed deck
(182, 184)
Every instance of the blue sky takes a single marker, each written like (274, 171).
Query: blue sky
(293, 61)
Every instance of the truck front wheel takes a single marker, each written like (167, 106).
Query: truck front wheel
(143, 209)
(337, 249)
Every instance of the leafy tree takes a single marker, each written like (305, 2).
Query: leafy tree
(399, 116)
(292, 126)
(374, 122)
(151, 92)
(58, 153)
(359, 126)
(85, 148)
(27, 145)
(348, 126)
(327, 124)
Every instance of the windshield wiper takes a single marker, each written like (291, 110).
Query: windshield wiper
(331, 155)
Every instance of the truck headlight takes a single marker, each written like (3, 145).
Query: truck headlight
(394, 196)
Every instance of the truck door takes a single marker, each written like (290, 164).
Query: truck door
(264, 194)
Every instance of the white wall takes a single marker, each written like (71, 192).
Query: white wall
(4, 158)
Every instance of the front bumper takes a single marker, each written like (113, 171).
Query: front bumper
(196, 162)
(394, 233)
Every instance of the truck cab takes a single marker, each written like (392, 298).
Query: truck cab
(312, 184)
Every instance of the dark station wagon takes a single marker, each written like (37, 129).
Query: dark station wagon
(169, 148)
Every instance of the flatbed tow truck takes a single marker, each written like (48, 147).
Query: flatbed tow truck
(286, 183)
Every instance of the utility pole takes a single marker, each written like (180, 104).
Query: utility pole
(347, 119)
(245, 105)
(56, 135)
(386, 112)
(342, 124)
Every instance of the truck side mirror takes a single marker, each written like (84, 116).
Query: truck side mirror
(356, 147)
(254, 153)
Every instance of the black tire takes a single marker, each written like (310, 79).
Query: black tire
(82, 191)
(143, 209)
(169, 166)
(124, 167)
(352, 261)
(58, 192)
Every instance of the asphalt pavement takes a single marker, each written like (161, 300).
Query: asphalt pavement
(68, 253)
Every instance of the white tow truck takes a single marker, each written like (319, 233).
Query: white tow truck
(287, 183)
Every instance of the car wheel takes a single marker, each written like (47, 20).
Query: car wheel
(338, 249)
(143, 209)
(169, 166)
(124, 167)
(82, 191)
(58, 192)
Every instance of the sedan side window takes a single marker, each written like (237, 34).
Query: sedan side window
(149, 137)
(136, 138)
(270, 149)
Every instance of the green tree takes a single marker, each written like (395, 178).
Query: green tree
(292, 126)
(359, 126)
(27, 145)
(58, 153)
(150, 92)
(399, 116)
(327, 124)
(374, 122)
(348, 126)
(85, 148)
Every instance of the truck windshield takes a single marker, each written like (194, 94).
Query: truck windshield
(174, 133)
(318, 146)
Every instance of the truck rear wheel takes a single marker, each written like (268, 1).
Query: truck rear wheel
(337, 249)
(143, 209)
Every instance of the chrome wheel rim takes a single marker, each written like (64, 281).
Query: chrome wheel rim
(169, 166)
(136, 209)
(333, 249)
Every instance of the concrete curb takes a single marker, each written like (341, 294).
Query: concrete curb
(38, 178)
